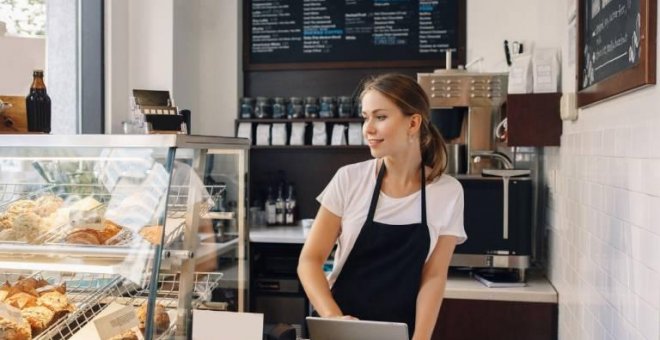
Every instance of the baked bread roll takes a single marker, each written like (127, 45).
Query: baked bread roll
(21, 300)
(109, 231)
(20, 207)
(4, 291)
(47, 204)
(10, 330)
(161, 318)
(38, 317)
(6, 221)
(28, 226)
(55, 301)
(84, 236)
(152, 233)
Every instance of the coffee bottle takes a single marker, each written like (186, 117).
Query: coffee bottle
(37, 104)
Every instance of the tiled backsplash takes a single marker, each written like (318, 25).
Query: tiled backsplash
(603, 228)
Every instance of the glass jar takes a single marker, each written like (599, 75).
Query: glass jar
(247, 108)
(311, 107)
(296, 108)
(345, 107)
(328, 108)
(279, 107)
(264, 108)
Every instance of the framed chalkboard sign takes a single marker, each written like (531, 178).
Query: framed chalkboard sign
(326, 34)
(616, 47)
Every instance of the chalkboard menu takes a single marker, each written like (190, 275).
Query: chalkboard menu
(616, 47)
(280, 32)
(611, 38)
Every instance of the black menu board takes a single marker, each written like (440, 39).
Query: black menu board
(280, 32)
(611, 38)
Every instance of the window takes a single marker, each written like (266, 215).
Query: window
(24, 18)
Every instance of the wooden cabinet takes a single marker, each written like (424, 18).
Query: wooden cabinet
(496, 320)
(533, 119)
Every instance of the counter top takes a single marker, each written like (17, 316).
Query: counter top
(462, 286)
(278, 234)
(459, 285)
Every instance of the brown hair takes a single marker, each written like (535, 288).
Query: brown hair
(410, 98)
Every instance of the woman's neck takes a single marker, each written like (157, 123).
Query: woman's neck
(403, 175)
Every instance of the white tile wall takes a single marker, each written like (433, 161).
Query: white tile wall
(604, 229)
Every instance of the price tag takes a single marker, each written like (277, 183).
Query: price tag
(117, 323)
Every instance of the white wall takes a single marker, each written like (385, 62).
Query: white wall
(139, 45)
(489, 23)
(604, 212)
(18, 58)
(189, 47)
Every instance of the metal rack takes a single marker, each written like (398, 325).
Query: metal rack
(91, 293)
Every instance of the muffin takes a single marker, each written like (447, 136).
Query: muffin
(161, 318)
(47, 204)
(128, 335)
(152, 233)
(28, 227)
(55, 301)
(21, 206)
(10, 330)
(21, 300)
(39, 318)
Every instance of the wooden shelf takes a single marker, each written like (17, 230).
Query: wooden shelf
(533, 119)
(300, 120)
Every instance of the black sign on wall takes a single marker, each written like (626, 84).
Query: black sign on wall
(611, 38)
(616, 47)
(294, 34)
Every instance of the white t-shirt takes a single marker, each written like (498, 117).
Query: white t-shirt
(349, 193)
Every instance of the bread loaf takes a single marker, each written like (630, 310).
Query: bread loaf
(39, 318)
(161, 318)
(84, 236)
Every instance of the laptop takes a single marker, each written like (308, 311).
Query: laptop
(339, 329)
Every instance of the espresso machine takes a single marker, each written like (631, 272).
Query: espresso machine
(466, 106)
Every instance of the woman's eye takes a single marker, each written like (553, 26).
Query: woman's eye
(381, 117)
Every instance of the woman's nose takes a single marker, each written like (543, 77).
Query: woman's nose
(368, 127)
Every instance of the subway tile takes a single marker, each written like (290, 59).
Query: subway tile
(608, 142)
(652, 173)
(621, 142)
(654, 215)
(646, 283)
(649, 250)
(635, 179)
(638, 207)
(648, 320)
(639, 142)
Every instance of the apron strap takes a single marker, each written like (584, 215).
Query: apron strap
(374, 197)
(423, 195)
(376, 193)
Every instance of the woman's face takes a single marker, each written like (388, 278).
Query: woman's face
(385, 127)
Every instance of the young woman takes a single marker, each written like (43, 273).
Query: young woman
(395, 218)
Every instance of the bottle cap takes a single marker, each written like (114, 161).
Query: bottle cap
(38, 73)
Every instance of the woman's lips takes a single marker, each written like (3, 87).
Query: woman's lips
(374, 142)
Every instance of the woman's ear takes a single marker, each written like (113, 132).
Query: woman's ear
(415, 123)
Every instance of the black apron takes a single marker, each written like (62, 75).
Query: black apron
(382, 274)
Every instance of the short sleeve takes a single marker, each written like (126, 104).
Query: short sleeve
(455, 225)
(334, 194)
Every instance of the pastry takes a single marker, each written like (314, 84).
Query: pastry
(21, 206)
(84, 236)
(47, 204)
(6, 221)
(128, 335)
(21, 300)
(27, 226)
(152, 233)
(10, 330)
(4, 291)
(38, 317)
(109, 231)
(8, 235)
(48, 288)
(161, 318)
(55, 301)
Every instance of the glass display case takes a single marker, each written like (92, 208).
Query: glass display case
(120, 233)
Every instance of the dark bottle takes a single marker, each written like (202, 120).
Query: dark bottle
(37, 104)
(279, 107)
(289, 207)
(279, 207)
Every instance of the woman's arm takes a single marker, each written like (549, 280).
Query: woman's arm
(315, 252)
(432, 288)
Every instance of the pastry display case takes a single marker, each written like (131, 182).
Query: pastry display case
(117, 236)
